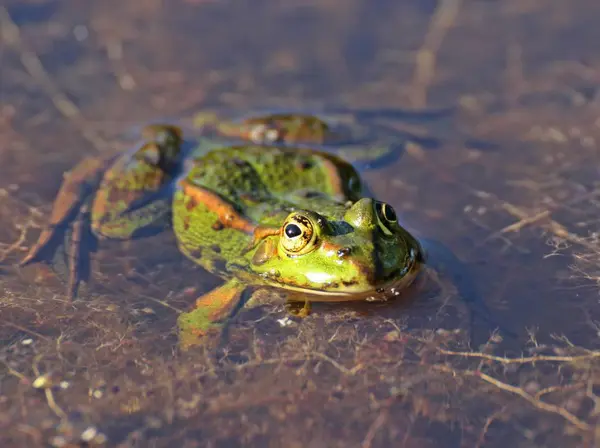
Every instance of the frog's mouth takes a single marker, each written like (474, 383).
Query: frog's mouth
(398, 281)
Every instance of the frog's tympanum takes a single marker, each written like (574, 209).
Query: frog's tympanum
(258, 214)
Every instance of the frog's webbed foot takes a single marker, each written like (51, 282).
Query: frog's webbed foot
(205, 323)
(299, 309)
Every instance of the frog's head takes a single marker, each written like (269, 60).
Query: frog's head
(366, 254)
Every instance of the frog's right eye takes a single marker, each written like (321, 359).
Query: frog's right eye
(298, 235)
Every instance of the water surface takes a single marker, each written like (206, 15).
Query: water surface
(500, 164)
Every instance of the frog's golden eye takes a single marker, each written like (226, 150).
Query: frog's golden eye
(298, 235)
(386, 216)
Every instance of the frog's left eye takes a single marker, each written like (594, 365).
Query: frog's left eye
(386, 216)
(298, 235)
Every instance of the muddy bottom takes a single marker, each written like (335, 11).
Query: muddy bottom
(494, 106)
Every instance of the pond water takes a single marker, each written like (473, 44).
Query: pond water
(497, 107)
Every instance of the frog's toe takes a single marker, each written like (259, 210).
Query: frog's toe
(299, 309)
(196, 328)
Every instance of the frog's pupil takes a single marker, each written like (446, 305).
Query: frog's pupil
(292, 231)
(389, 213)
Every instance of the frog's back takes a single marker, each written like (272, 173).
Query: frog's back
(264, 172)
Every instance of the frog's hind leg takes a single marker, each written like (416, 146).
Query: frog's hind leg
(211, 312)
(76, 190)
(65, 241)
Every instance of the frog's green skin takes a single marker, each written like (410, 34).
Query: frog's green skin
(258, 216)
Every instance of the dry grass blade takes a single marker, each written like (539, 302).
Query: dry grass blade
(11, 35)
(443, 19)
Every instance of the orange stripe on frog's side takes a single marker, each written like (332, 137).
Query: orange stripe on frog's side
(227, 214)
(333, 175)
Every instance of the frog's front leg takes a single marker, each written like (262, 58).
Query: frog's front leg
(299, 309)
(210, 313)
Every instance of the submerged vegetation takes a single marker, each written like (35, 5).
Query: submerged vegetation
(507, 178)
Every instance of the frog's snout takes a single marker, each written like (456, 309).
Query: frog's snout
(361, 214)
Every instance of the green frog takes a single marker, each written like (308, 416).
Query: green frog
(268, 213)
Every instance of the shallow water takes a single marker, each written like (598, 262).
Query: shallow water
(500, 164)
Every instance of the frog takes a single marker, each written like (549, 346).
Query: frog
(264, 213)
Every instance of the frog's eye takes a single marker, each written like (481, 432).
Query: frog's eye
(298, 235)
(386, 216)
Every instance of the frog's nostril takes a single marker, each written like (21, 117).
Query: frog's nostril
(344, 252)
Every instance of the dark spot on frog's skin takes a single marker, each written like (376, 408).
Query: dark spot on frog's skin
(344, 252)
(304, 165)
(238, 162)
(217, 225)
(191, 204)
(186, 222)
(215, 248)
(350, 283)
(312, 194)
(196, 253)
